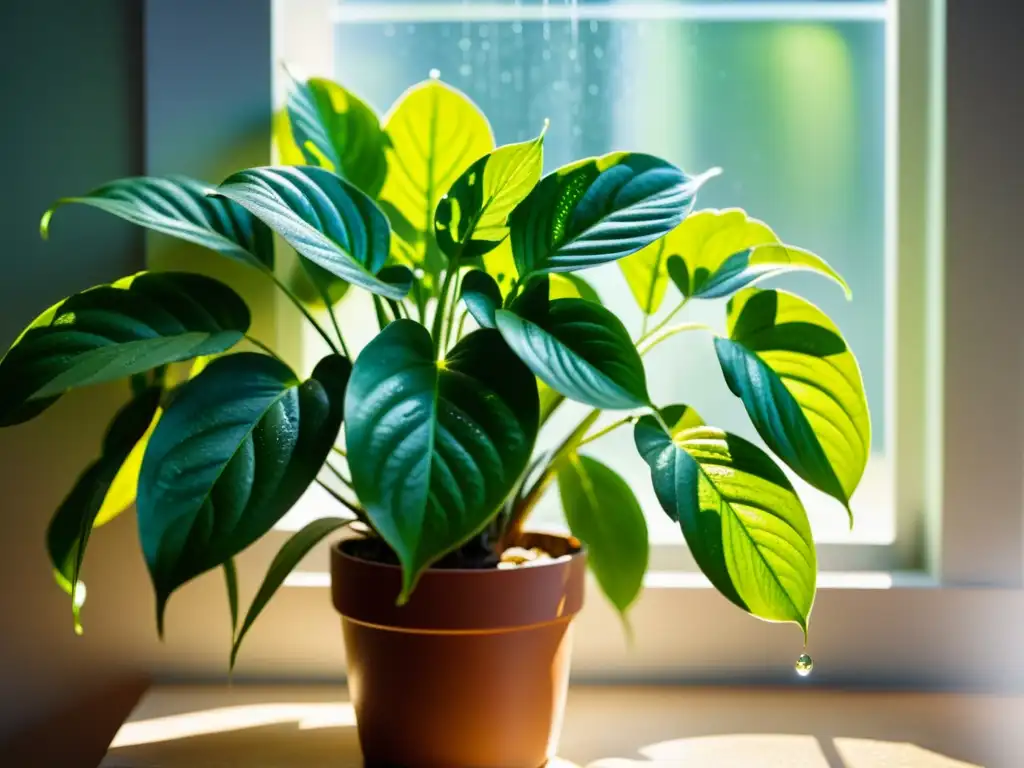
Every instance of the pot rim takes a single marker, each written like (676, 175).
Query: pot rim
(577, 547)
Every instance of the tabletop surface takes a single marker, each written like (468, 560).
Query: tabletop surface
(605, 727)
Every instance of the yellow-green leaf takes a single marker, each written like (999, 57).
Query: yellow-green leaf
(436, 132)
(646, 273)
(471, 218)
(801, 385)
(715, 253)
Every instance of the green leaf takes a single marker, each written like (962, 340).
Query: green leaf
(742, 520)
(481, 296)
(603, 513)
(284, 562)
(337, 130)
(232, 453)
(325, 219)
(801, 386)
(472, 217)
(646, 273)
(114, 331)
(715, 253)
(441, 444)
(181, 207)
(72, 524)
(570, 286)
(579, 349)
(231, 583)
(599, 210)
(436, 133)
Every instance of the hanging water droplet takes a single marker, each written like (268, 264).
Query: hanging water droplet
(435, 74)
(804, 665)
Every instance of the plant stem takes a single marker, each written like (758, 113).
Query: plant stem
(462, 324)
(610, 428)
(450, 325)
(654, 339)
(664, 321)
(301, 307)
(339, 451)
(338, 474)
(382, 316)
(358, 511)
(257, 343)
(442, 304)
(396, 309)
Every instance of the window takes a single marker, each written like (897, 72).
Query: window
(948, 319)
(793, 99)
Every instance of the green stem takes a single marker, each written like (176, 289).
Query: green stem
(301, 307)
(382, 317)
(442, 304)
(358, 511)
(396, 309)
(450, 325)
(338, 474)
(610, 428)
(462, 324)
(654, 339)
(339, 451)
(257, 343)
(664, 321)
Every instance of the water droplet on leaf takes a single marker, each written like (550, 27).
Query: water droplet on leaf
(804, 665)
(435, 74)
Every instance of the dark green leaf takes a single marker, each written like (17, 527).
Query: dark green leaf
(603, 513)
(440, 443)
(599, 210)
(742, 520)
(482, 297)
(326, 219)
(72, 524)
(801, 386)
(337, 130)
(715, 253)
(577, 348)
(284, 562)
(229, 457)
(231, 583)
(472, 217)
(181, 207)
(114, 331)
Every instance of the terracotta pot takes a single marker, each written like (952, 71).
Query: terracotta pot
(472, 672)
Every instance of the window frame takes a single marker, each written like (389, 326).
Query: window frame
(960, 565)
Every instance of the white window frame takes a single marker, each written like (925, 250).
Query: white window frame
(959, 564)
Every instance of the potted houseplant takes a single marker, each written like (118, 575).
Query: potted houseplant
(452, 612)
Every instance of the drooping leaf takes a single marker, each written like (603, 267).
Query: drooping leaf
(440, 444)
(801, 385)
(472, 217)
(599, 210)
(114, 331)
(72, 524)
(284, 562)
(325, 219)
(337, 130)
(603, 513)
(716, 253)
(181, 207)
(231, 584)
(481, 296)
(436, 132)
(577, 348)
(124, 486)
(232, 453)
(742, 520)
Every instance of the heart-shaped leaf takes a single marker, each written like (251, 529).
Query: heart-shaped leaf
(71, 526)
(337, 130)
(436, 133)
(742, 520)
(472, 217)
(284, 562)
(114, 331)
(716, 253)
(577, 348)
(481, 296)
(181, 207)
(325, 219)
(232, 453)
(440, 444)
(603, 513)
(801, 386)
(599, 210)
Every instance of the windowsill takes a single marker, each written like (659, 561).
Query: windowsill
(202, 727)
